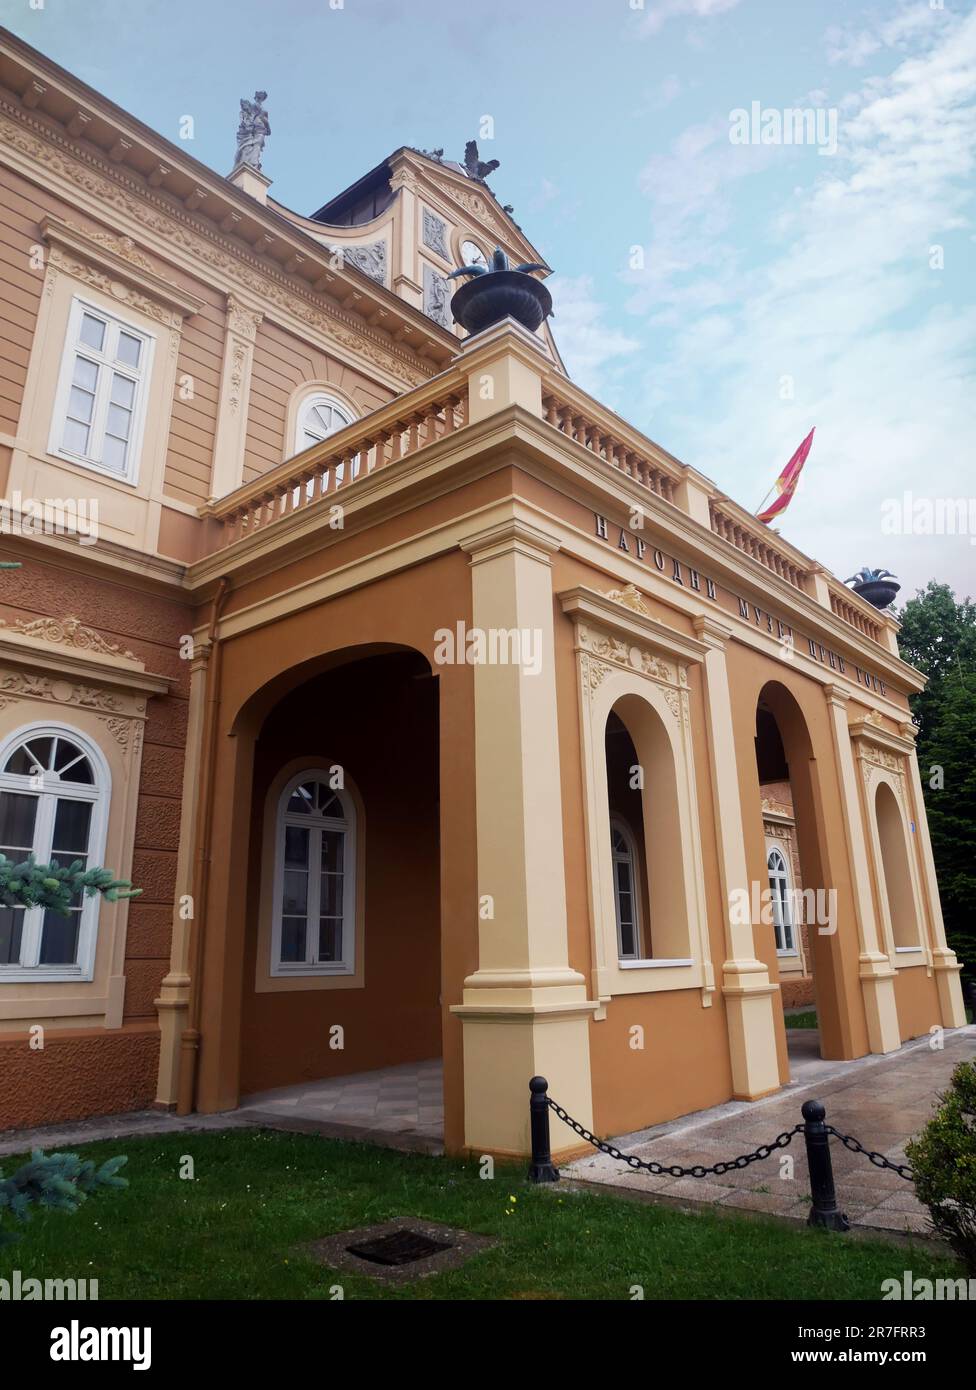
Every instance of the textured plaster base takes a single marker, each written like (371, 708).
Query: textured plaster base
(77, 1074)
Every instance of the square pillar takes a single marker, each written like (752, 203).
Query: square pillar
(876, 973)
(524, 1010)
(746, 986)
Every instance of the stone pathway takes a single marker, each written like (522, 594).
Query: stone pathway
(882, 1101)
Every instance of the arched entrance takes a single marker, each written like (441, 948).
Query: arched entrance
(322, 948)
(799, 924)
(342, 954)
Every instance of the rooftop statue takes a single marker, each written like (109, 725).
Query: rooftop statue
(252, 132)
(477, 168)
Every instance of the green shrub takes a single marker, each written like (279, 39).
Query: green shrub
(62, 1181)
(943, 1160)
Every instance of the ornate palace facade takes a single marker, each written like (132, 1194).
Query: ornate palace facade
(436, 711)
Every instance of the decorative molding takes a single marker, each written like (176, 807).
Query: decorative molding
(121, 268)
(370, 259)
(590, 609)
(874, 759)
(111, 187)
(26, 686)
(631, 597)
(242, 319)
(437, 298)
(602, 652)
(240, 354)
(69, 632)
(60, 261)
(434, 230)
(62, 660)
(120, 729)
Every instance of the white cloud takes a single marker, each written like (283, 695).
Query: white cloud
(854, 49)
(879, 345)
(659, 14)
(588, 345)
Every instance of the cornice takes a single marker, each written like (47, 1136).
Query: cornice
(111, 187)
(508, 537)
(585, 605)
(869, 732)
(674, 527)
(35, 647)
(120, 257)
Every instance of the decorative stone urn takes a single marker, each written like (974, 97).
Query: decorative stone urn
(500, 292)
(879, 587)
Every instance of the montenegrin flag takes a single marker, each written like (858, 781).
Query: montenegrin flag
(785, 484)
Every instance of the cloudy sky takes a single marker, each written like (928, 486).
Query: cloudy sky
(722, 296)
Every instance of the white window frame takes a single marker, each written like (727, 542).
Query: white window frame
(311, 402)
(783, 926)
(49, 788)
(108, 365)
(346, 964)
(618, 824)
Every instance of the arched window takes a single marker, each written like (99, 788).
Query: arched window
(781, 897)
(54, 795)
(315, 879)
(320, 415)
(626, 893)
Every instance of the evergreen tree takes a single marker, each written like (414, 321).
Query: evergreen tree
(938, 637)
(54, 885)
(61, 1181)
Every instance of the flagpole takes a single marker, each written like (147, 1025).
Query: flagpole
(764, 501)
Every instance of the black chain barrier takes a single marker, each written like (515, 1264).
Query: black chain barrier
(674, 1170)
(879, 1160)
(823, 1211)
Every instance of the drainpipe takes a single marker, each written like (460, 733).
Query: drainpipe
(190, 1040)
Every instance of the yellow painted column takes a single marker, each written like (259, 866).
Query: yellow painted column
(944, 962)
(524, 1010)
(174, 993)
(877, 974)
(746, 986)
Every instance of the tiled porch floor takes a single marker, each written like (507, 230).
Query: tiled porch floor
(402, 1107)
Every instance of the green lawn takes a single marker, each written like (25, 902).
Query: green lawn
(808, 1019)
(238, 1231)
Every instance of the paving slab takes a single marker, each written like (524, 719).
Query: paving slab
(881, 1101)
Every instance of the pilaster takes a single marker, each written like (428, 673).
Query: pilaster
(235, 390)
(746, 987)
(174, 993)
(875, 970)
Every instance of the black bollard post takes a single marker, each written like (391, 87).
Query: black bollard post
(542, 1168)
(824, 1211)
(969, 996)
